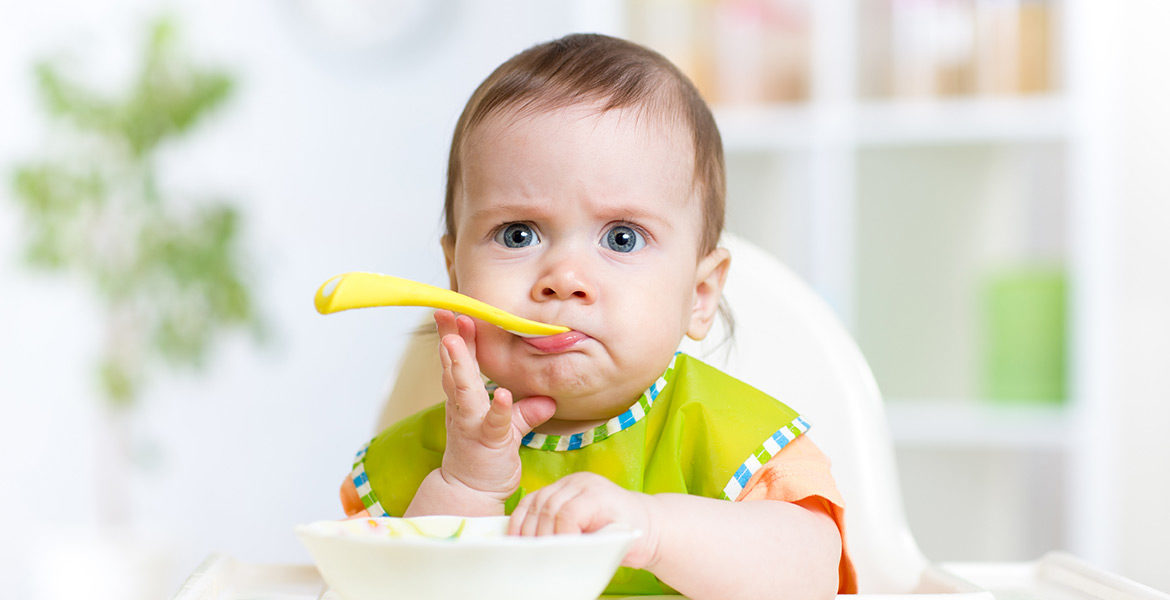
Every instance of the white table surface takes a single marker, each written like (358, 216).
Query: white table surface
(1055, 576)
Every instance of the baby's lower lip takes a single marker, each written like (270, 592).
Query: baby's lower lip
(556, 343)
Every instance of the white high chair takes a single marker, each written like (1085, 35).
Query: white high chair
(789, 344)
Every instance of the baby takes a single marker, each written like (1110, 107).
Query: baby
(586, 189)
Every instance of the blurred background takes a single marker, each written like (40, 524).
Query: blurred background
(979, 188)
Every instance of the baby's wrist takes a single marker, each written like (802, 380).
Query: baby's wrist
(467, 487)
(438, 495)
(651, 531)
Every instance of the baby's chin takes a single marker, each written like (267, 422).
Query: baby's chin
(587, 405)
(563, 391)
(557, 426)
(560, 376)
(585, 386)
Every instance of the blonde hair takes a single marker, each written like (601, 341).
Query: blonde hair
(592, 68)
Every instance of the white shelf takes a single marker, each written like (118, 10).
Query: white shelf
(764, 128)
(962, 121)
(969, 424)
(965, 121)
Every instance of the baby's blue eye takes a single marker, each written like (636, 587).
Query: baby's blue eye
(517, 235)
(624, 239)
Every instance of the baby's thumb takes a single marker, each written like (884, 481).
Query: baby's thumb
(530, 412)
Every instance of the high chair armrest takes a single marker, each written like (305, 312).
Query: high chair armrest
(1055, 576)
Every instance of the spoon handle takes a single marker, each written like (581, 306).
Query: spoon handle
(358, 289)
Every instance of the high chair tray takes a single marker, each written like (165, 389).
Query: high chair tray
(1055, 576)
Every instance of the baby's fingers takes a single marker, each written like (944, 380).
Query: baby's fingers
(449, 323)
(445, 322)
(561, 512)
(460, 371)
(498, 422)
(548, 510)
(465, 327)
(448, 376)
(521, 513)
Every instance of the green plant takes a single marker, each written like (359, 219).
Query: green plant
(165, 266)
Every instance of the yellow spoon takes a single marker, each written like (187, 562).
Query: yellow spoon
(361, 290)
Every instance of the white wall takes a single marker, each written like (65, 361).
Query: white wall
(338, 161)
(1142, 235)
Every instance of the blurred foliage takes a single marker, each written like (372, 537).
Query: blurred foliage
(165, 266)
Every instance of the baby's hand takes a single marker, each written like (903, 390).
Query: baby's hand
(483, 434)
(585, 502)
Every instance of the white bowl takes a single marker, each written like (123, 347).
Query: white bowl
(455, 558)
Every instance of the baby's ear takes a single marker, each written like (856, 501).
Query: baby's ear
(709, 278)
(448, 243)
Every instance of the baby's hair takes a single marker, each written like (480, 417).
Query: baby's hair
(592, 68)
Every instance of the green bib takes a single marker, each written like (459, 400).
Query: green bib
(694, 431)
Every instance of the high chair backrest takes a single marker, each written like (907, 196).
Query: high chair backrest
(788, 343)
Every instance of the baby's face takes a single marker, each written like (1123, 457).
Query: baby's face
(586, 220)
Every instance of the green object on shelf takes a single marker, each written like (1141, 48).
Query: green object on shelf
(1025, 335)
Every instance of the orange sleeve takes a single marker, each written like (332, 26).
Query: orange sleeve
(350, 502)
(801, 473)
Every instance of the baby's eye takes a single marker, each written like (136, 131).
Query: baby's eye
(517, 235)
(623, 238)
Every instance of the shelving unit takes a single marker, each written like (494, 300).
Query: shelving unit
(896, 209)
(1008, 121)
(878, 124)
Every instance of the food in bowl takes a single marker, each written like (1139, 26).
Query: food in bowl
(446, 558)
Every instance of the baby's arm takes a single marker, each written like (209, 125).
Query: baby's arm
(481, 463)
(703, 548)
(792, 547)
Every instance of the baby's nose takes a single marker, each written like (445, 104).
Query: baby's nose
(563, 282)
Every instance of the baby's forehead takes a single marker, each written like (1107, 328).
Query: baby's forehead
(647, 118)
(617, 164)
(659, 147)
(623, 139)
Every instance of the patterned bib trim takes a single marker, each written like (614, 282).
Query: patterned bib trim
(535, 440)
(561, 443)
(771, 447)
(362, 483)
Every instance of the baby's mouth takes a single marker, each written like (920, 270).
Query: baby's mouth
(556, 343)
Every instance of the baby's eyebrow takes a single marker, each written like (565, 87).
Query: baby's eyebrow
(510, 211)
(652, 220)
(539, 211)
(635, 215)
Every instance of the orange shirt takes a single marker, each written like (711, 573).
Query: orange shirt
(800, 473)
